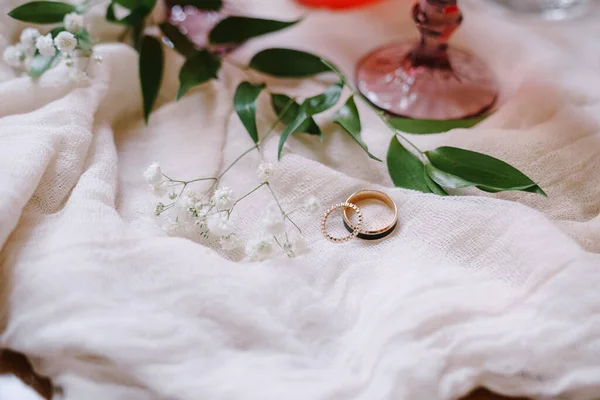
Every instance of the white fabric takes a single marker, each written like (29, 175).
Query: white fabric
(471, 291)
(12, 388)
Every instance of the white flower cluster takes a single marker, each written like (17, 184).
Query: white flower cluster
(209, 215)
(20, 55)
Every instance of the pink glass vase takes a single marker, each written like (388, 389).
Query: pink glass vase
(429, 80)
(196, 24)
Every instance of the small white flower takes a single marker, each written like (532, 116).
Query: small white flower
(299, 244)
(259, 249)
(160, 207)
(265, 171)
(219, 225)
(73, 22)
(45, 45)
(228, 243)
(13, 56)
(153, 173)
(185, 213)
(172, 195)
(223, 198)
(295, 246)
(158, 189)
(65, 42)
(69, 62)
(98, 59)
(312, 205)
(273, 221)
(29, 37)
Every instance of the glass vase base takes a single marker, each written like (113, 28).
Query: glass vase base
(402, 84)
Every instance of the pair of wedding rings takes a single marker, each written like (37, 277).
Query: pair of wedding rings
(357, 230)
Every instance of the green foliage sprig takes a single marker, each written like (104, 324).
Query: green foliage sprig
(409, 167)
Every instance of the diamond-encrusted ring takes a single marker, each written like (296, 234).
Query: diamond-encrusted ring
(354, 232)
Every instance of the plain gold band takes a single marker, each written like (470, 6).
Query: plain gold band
(372, 195)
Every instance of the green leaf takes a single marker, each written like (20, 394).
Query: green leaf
(426, 126)
(129, 4)
(287, 63)
(239, 29)
(40, 64)
(349, 119)
(280, 101)
(406, 169)
(42, 12)
(434, 187)
(179, 41)
(136, 16)
(83, 40)
(151, 72)
(198, 69)
(206, 5)
(301, 118)
(456, 168)
(445, 179)
(57, 30)
(324, 101)
(308, 108)
(244, 103)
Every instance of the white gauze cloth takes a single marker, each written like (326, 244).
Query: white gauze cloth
(475, 290)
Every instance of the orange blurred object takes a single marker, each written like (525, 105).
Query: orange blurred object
(338, 4)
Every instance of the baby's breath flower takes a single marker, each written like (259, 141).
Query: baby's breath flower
(185, 213)
(29, 37)
(219, 224)
(312, 205)
(172, 195)
(223, 198)
(296, 245)
(259, 249)
(273, 220)
(202, 209)
(45, 45)
(158, 189)
(228, 243)
(160, 207)
(13, 57)
(265, 171)
(98, 59)
(153, 173)
(73, 22)
(65, 42)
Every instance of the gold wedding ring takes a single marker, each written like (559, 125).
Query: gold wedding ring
(353, 231)
(377, 233)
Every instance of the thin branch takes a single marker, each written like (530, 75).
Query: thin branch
(248, 194)
(279, 119)
(281, 208)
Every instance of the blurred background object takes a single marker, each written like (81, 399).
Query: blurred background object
(429, 79)
(547, 9)
(340, 4)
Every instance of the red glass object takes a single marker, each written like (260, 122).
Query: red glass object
(429, 80)
(196, 24)
(336, 4)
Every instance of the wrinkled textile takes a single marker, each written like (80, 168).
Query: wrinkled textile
(478, 289)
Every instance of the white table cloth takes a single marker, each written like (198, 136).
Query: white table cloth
(474, 290)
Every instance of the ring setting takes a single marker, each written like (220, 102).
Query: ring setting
(349, 206)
